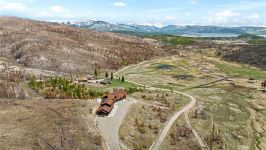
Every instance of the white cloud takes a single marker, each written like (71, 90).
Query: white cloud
(26, 0)
(254, 16)
(232, 18)
(244, 5)
(227, 13)
(170, 18)
(120, 4)
(57, 9)
(12, 6)
(188, 14)
(49, 14)
(224, 18)
(164, 10)
(194, 2)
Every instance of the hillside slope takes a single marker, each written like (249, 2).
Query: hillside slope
(253, 55)
(61, 48)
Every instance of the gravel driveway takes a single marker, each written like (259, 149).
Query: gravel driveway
(109, 126)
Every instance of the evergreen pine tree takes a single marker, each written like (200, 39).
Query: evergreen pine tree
(95, 73)
(123, 79)
(106, 75)
(112, 76)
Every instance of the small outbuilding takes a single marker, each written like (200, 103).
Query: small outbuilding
(82, 79)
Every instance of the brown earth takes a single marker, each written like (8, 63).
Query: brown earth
(61, 48)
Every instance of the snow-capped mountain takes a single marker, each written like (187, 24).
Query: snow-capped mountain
(103, 26)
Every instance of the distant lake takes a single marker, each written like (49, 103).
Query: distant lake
(211, 35)
(262, 35)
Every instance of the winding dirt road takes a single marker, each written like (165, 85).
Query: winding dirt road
(156, 145)
(109, 127)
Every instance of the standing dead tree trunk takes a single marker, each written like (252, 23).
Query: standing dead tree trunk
(263, 84)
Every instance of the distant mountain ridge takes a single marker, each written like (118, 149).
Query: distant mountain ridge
(190, 30)
(60, 48)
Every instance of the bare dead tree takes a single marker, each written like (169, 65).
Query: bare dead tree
(263, 84)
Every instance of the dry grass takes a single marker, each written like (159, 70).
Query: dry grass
(47, 124)
(229, 108)
(142, 125)
(146, 119)
(12, 86)
(188, 69)
(237, 105)
(180, 137)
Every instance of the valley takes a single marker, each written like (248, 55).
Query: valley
(54, 47)
(227, 107)
(181, 92)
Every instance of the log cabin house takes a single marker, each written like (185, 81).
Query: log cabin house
(85, 78)
(109, 100)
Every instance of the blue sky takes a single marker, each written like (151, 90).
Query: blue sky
(148, 12)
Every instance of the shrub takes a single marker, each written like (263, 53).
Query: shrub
(98, 140)
(143, 96)
(123, 79)
(142, 130)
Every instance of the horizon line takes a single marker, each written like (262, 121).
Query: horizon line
(117, 23)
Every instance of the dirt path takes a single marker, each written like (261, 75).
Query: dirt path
(196, 134)
(156, 145)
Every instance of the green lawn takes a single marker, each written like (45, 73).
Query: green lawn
(118, 84)
(114, 84)
(241, 71)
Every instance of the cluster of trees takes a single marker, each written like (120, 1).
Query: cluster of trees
(257, 41)
(107, 75)
(253, 55)
(175, 40)
(96, 73)
(63, 88)
(131, 90)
